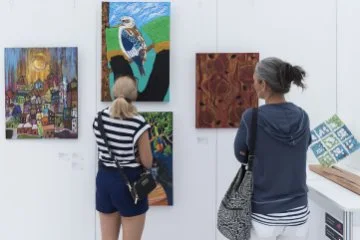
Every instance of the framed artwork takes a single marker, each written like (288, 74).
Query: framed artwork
(224, 88)
(41, 93)
(136, 42)
(332, 141)
(161, 138)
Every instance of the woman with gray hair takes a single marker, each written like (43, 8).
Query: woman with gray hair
(280, 203)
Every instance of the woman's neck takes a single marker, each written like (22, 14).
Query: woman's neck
(275, 99)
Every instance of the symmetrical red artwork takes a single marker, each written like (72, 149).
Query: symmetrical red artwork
(224, 88)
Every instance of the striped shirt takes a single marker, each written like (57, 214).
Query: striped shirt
(122, 137)
(293, 217)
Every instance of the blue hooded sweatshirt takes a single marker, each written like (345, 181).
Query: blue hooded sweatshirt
(279, 170)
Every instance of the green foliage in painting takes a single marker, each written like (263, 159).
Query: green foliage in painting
(112, 42)
(161, 131)
(158, 29)
(168, 150)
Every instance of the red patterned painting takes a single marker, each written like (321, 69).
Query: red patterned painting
(224, 88)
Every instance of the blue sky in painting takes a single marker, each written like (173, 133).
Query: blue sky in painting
(68, 56)
(65, 57)
(12, 57)
(142, 12)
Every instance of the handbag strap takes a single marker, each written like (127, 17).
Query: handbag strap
(104, 137)
(252, 139)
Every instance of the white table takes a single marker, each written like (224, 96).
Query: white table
(338, 201)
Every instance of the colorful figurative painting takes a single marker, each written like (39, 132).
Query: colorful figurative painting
(136, 42)
(332, 141)
(224, 88)
(161, 137)
(41, 93)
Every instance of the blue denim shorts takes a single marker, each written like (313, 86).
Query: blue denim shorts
(112, 194)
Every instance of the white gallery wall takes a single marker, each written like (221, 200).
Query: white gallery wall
(348, 68)
(47, 188)
(348, 77)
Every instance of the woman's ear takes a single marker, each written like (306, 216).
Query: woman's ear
(265, 85)
(261, 82)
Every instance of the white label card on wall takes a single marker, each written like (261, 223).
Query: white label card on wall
(202, 140)
(77, 162)
(64, 157)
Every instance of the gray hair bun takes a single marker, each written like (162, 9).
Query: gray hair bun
(280, 74)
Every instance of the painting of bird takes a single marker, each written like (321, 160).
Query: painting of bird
(132, 42)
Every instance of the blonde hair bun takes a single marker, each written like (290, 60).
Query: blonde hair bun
(125, 91)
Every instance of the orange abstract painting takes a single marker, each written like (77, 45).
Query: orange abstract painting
(224, 88)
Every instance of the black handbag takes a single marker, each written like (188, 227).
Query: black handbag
(234, 215)
(139, 189)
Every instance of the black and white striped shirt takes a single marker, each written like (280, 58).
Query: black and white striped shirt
(122, 136)
(293, 217)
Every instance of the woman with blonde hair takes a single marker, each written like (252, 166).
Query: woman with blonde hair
(127, 134)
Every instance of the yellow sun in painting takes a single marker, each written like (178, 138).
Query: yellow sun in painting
(39, 63)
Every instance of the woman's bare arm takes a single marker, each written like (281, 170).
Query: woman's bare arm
(146, 158)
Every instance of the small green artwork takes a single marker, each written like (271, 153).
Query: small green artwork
(332, 141)
(161, 139)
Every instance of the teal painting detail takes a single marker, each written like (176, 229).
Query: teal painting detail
(332, 141)
(136, 42)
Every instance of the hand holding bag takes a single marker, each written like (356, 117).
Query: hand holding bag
(138, 189)
(234, 215)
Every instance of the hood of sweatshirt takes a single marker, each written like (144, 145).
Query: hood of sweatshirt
(285, 122)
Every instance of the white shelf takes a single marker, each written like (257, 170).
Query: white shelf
(321, 187)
